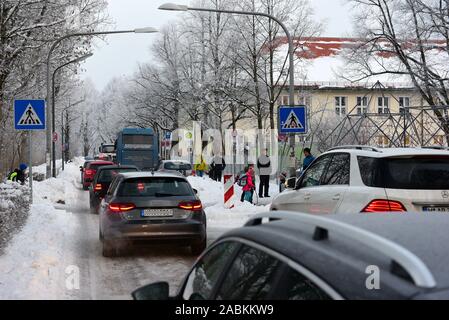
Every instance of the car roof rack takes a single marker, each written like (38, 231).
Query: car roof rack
(410, 263)
(355, 147)
(436, 148)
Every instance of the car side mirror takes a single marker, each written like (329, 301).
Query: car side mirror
(153, 292)
(196, 191)
(81, 168)
(291, 183)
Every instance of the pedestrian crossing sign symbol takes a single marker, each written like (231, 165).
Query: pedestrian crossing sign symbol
(29, 114)
(293, 120)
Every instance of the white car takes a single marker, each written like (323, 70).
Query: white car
(182, 167)
(363, 179)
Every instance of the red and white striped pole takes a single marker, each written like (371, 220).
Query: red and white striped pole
(229, 191)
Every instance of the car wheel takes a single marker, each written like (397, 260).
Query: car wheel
(198, 247)
(85, 188)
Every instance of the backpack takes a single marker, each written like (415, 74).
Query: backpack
(12, 176)
(243, 180)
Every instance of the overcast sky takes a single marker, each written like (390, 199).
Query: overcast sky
(120, 54)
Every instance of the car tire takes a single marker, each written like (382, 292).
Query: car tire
(197, 247)
(85, 188)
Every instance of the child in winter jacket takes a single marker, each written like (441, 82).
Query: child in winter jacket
(250, 186)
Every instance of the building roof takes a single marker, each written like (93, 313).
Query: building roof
(321, 63)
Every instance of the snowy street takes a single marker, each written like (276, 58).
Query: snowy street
(60, 239)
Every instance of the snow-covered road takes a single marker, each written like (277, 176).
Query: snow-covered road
(59, 247)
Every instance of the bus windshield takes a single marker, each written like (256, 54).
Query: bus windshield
(138, 141)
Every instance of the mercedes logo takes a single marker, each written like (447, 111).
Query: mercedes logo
(445, 194)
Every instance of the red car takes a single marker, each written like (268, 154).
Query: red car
(90, 170)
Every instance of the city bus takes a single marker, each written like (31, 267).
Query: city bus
(138, 147)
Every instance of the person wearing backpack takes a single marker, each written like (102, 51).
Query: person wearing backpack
(18, 175)
(248, 189)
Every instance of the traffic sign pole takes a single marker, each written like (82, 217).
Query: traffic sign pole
(30, 163)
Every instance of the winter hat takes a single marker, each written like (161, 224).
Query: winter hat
(23, 167)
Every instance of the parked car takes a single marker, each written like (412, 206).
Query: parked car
(83, 167)
(179, 166)
(294, 256)
(363, 179)
(102, 181)
(151, 207)
(89, 171)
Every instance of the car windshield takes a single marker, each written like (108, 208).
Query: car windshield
(177, 166)
(411, 173)
(157, 187)
(106, 176)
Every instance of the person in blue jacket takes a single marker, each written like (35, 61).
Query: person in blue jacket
(309, 158)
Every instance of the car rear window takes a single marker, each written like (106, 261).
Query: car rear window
(155, 187)
(106, 176)
(95, 166)
(177, 166)
(411, 173)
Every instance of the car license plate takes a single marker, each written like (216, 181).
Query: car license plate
(436, 209)
(157, 213)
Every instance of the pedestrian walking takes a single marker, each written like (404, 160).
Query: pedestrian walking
(200, 167)
(264, 166)
(218, 165)
(248, 189)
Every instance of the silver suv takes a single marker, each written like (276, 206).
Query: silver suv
(364, 179)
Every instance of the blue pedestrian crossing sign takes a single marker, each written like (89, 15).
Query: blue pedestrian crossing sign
(29, 114)
(293, 120)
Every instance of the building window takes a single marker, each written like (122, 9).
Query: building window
(383, 105)
(305, 100)
(383, 141)
(362, 105)
(404, 104)
(285, 101)
(340, 105)
(438, 140)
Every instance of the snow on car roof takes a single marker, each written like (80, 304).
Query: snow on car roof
(156, 174)
(394, 152)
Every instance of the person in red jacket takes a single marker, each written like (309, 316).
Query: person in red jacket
(249, 188)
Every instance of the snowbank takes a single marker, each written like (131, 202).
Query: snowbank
(14, 209)
(219, 218)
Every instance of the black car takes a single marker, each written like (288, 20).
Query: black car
(102, 181)
(292, 256)
(151, 207)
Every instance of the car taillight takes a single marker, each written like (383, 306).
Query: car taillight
(90, 172)
(191, 205)
(98, 187)
(384, 206)
(121, 207)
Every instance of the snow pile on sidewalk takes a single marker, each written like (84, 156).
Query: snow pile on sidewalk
(30, 267)
(219, 218)
(14, 209)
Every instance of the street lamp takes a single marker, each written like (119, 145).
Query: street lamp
(291, 49)
(53, 124)
(49, 79)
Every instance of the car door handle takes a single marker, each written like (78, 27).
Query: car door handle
(337, 197)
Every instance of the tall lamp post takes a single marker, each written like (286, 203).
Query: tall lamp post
(291, 49)
(53, 124)
(49, 79)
